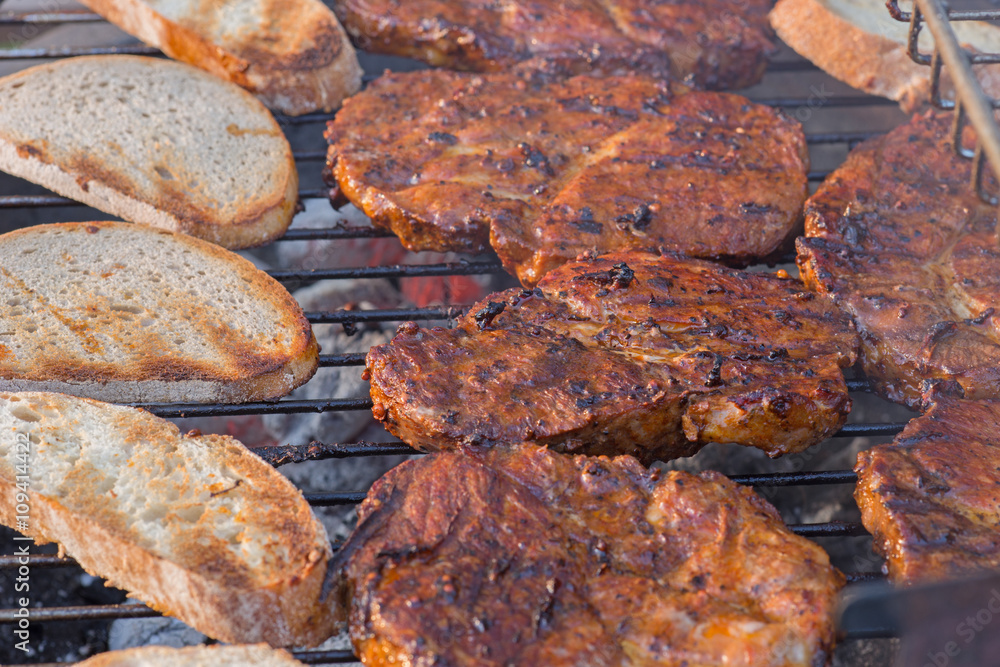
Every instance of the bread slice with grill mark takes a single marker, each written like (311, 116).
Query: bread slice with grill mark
(858, 42)
(194, 656)
(129, 313)
(195, 526)
(292, 54)
(151, 141)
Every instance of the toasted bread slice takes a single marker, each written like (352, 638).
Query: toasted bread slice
(858, 42)
(151, 141)
(195, 526)
(293, 54)
(129, 313)
(258, 655)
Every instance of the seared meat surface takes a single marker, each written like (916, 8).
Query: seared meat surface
(545, 169)
(932, 497)
(520, 556)
(628, 353)
(718, 44)
(902, 243)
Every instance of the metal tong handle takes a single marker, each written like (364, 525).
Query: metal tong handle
(971, 104)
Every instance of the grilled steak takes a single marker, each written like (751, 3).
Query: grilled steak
(526, 557)
(629, 353)
(718, 44)
(546, 169)
(902, 243)
(932, 497)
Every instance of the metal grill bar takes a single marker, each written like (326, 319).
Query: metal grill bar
(288, 406)
(388, 315)
(818, 138)
(316, 451)
(38, 561)
(37, 201)
(18, 18)
(786, 102)
(71, 52)
(334, 499)
(34, 201)
(358, 359)
(392, 271)
(17, 201)
(866, 429)
(81, 613)
(35, 561)
(335, 360)
(966, 15)
(324, 657)
(834, 528)
(829, 529)
(797, 478)
(64, 614)
(281, 454)
(326, 234)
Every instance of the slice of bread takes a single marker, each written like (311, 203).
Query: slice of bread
(256, 655)
(129, 313)
(151, 141)
(195, 526)
(857, 42)
(293, 54)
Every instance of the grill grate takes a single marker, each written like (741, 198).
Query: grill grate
(857, 110)
(970, 103)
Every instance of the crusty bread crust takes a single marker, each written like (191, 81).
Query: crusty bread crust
(864, 59)
(259, 655)
(221, 362)
(165, 190)
(266, 386)
(301, 61)
(258, 227)
(193, 573)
